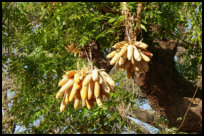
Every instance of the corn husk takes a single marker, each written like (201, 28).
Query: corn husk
(130, 52)
(137, 55)
(95, 75)
(144, 57)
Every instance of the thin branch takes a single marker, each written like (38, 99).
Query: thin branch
(90, 53)
(125, 11)
(188, 109)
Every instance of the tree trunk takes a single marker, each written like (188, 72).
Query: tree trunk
(167, 92)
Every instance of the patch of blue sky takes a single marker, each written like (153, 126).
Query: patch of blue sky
(144, 125)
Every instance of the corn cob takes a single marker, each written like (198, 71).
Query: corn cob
(87, 79)
(90, 89)
(84, 91)
(141, 45)
(123, 50)
(63, 105)
(144, 57)
(64, 88)
(76, 100)
(63, 81)
(67, 93)
(107, 78)
(73, 93)
(110, 55)
(96, 89)
(115, 59)
(77, 78)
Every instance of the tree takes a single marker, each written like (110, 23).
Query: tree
(36, 39)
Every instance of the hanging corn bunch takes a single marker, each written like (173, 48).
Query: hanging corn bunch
(132, 56)
(87, 86)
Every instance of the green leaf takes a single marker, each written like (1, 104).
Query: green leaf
(111, 20)
(143, 27)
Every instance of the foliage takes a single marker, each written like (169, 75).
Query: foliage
(34, 36)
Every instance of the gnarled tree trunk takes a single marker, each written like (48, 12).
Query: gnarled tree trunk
(167, 92)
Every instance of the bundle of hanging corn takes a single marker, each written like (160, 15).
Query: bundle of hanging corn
(87, 86)
(132, 56)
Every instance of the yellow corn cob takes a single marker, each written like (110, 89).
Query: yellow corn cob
(63, 81)
(99, 101)
(64, 88)
(74, 90)
(144, 57)
(96, 89)
(95, 75)
(87, 79)
(76, 100)
(84, 91)
(63, 105)
(76, 77)
(137, 55)
(107, 78)
(115, 59)
(141, 45)
(110, 55)
(67, 93)
(123, 50)
(90, 89)
(130, 52)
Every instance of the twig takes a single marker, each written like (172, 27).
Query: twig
(90, 53)
(188, 109)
